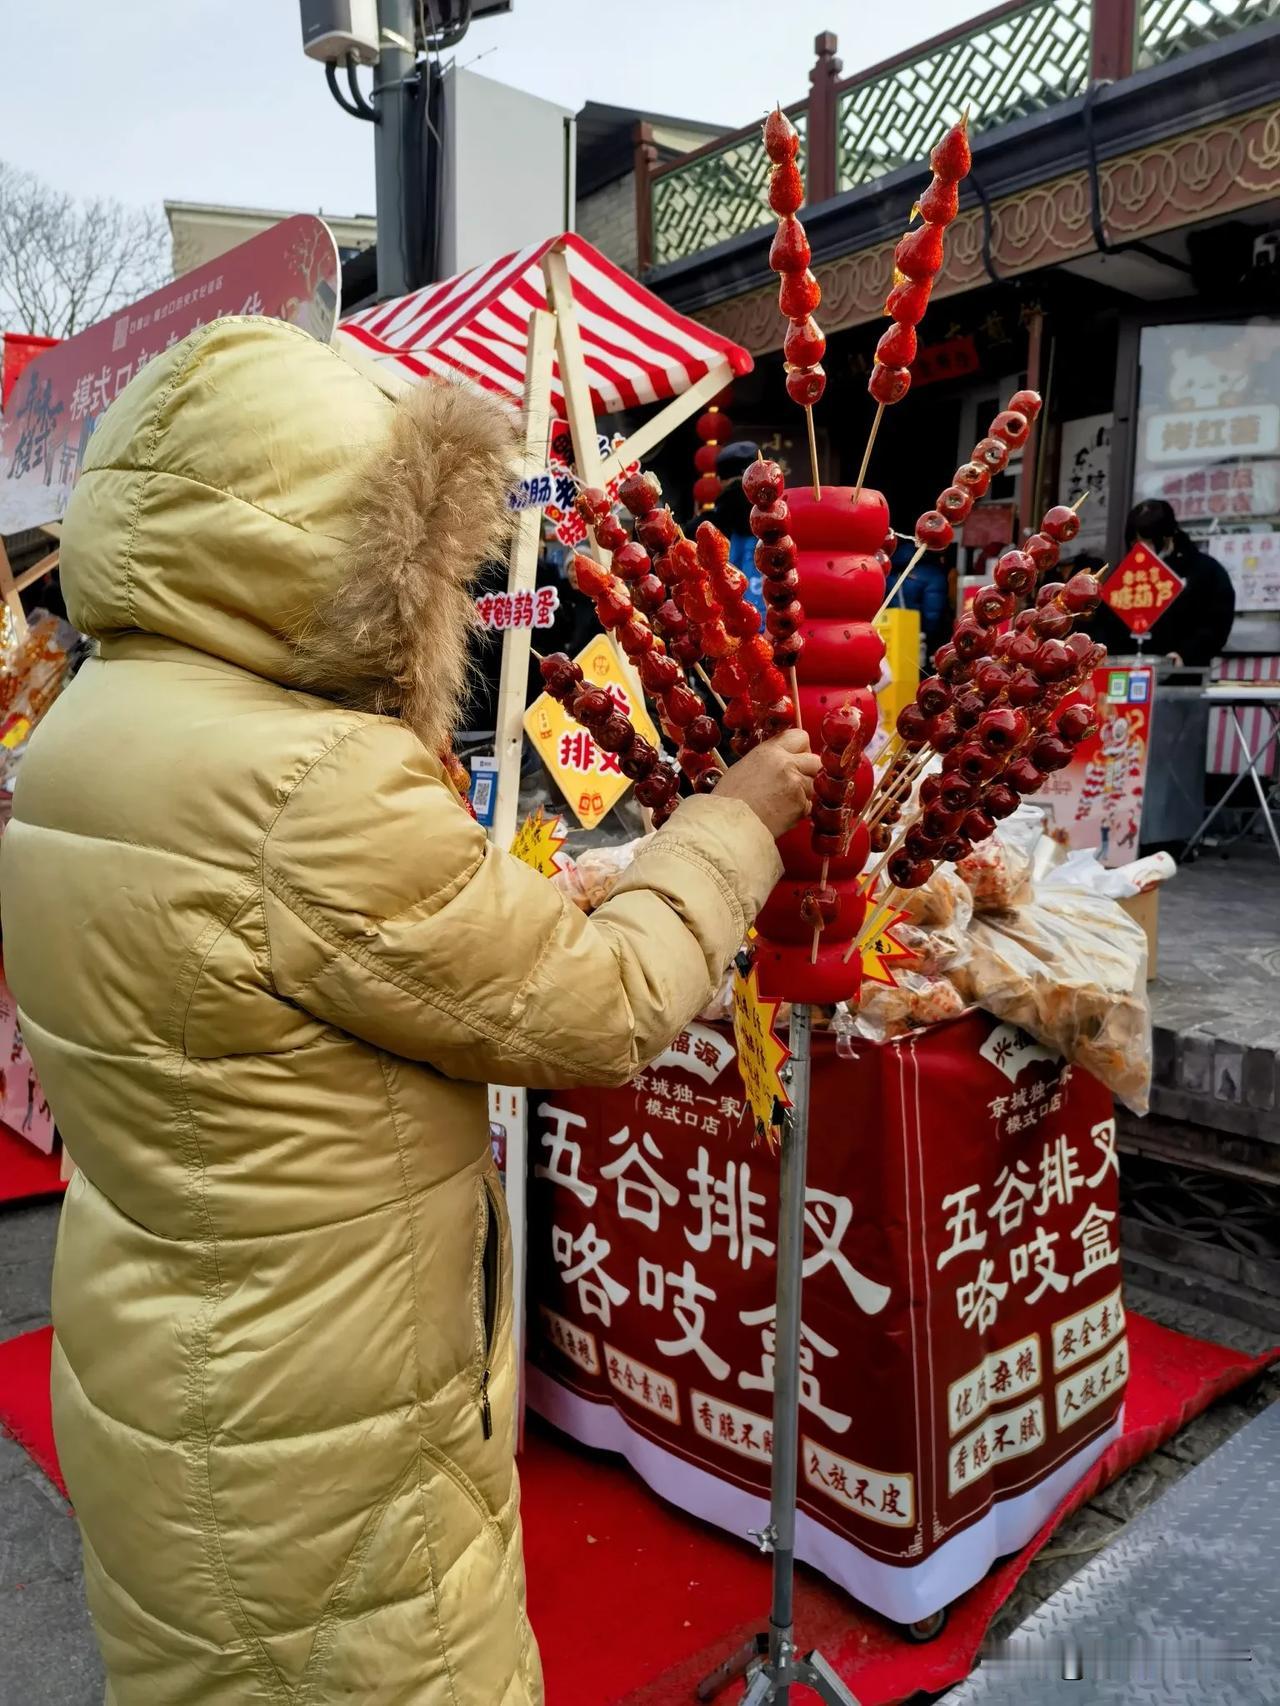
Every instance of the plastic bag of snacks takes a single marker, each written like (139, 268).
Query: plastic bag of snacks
(33, 671)
(1070, 968)
(918, 998)
(588, 879)
(998, 876)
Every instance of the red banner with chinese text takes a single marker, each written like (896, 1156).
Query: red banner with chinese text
(290, 271)
(963, 1354)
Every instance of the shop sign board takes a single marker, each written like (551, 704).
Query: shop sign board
(290, 272)
(1194, 435)
(1096, 801)
(1085, 461)
(1252, 560)
(1141, 588)
(590, 779)
(1239, 491)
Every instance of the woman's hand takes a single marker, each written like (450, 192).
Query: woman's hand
(776, 780)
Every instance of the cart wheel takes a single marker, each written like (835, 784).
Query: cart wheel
(926, 1628)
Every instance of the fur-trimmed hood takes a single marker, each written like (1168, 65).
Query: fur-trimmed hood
(258, 498)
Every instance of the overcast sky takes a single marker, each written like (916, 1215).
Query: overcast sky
(213, 100)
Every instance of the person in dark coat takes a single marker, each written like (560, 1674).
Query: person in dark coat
(1195, 627)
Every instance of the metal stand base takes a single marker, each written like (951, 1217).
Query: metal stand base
(770, 1682)
(771, 1662)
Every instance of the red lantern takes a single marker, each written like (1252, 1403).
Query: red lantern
(704, 458)
(708, 426)
(706, 489)
(713, 428)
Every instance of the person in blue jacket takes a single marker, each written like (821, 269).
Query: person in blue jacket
(926, 589)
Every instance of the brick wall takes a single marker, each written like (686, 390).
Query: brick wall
(607, 218)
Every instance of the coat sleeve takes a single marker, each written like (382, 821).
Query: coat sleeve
(389, 915)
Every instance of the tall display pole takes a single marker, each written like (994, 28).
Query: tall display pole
(770, 1661)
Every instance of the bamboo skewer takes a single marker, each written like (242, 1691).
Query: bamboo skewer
(876, 923)
(866, 455)
(795, 698)
(813, 453)
(894, 590)
(705, 679)
(817, 929)
(897, 790)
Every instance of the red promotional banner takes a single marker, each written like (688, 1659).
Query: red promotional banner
(963, 1355)
(1097, 800)
(290, 272)
(20, 350)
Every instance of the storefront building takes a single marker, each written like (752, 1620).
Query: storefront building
(1118, 248)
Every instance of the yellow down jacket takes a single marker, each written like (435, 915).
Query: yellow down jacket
(266, 963)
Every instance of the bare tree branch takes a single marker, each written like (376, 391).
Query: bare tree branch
(65, 265)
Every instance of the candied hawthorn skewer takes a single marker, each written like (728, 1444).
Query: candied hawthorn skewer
(936, 528)
(776, 560)
(805, 343)
(844, 738)
(657, 782)
(917, 261)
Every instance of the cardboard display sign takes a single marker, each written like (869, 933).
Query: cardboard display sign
(590, 779)
(963, 1345)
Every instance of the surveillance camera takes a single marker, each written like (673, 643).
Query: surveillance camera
(333, 30)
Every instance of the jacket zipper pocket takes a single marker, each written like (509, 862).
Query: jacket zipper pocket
(490, 1283)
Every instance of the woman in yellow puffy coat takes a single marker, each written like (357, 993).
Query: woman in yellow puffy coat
(266, 963)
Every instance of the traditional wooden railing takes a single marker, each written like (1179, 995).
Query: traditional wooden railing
(1022, 57)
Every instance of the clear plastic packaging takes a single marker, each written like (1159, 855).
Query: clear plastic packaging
(1070, 968)
(588, 879)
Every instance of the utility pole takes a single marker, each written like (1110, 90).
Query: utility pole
(398, 149)
(403, 109)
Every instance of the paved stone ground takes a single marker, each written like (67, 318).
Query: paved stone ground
(1215, 1019)
(47, 1652)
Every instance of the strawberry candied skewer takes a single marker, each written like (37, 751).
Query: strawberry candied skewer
(917, 261)
(799, 293)
(747, 672)
(657, 783)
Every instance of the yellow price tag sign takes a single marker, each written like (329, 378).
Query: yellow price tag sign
(884, 951)
(538, 840)
(761, 1056)
(590, 780)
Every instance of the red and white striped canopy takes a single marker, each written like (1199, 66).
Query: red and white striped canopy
(637, 350)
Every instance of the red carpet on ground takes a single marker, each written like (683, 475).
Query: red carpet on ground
(633, 1601)
(24, 1172)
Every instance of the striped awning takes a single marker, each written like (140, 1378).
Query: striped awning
(637, 350)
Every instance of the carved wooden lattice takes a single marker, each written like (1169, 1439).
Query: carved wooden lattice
(1167, 27)
(714, 197)
(1026, 61)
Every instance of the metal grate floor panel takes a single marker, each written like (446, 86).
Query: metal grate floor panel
(1183, 1606)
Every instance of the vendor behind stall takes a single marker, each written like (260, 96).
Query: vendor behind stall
(266, 966)
(1195, 628)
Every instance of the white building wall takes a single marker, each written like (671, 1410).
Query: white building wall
(502, 185)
